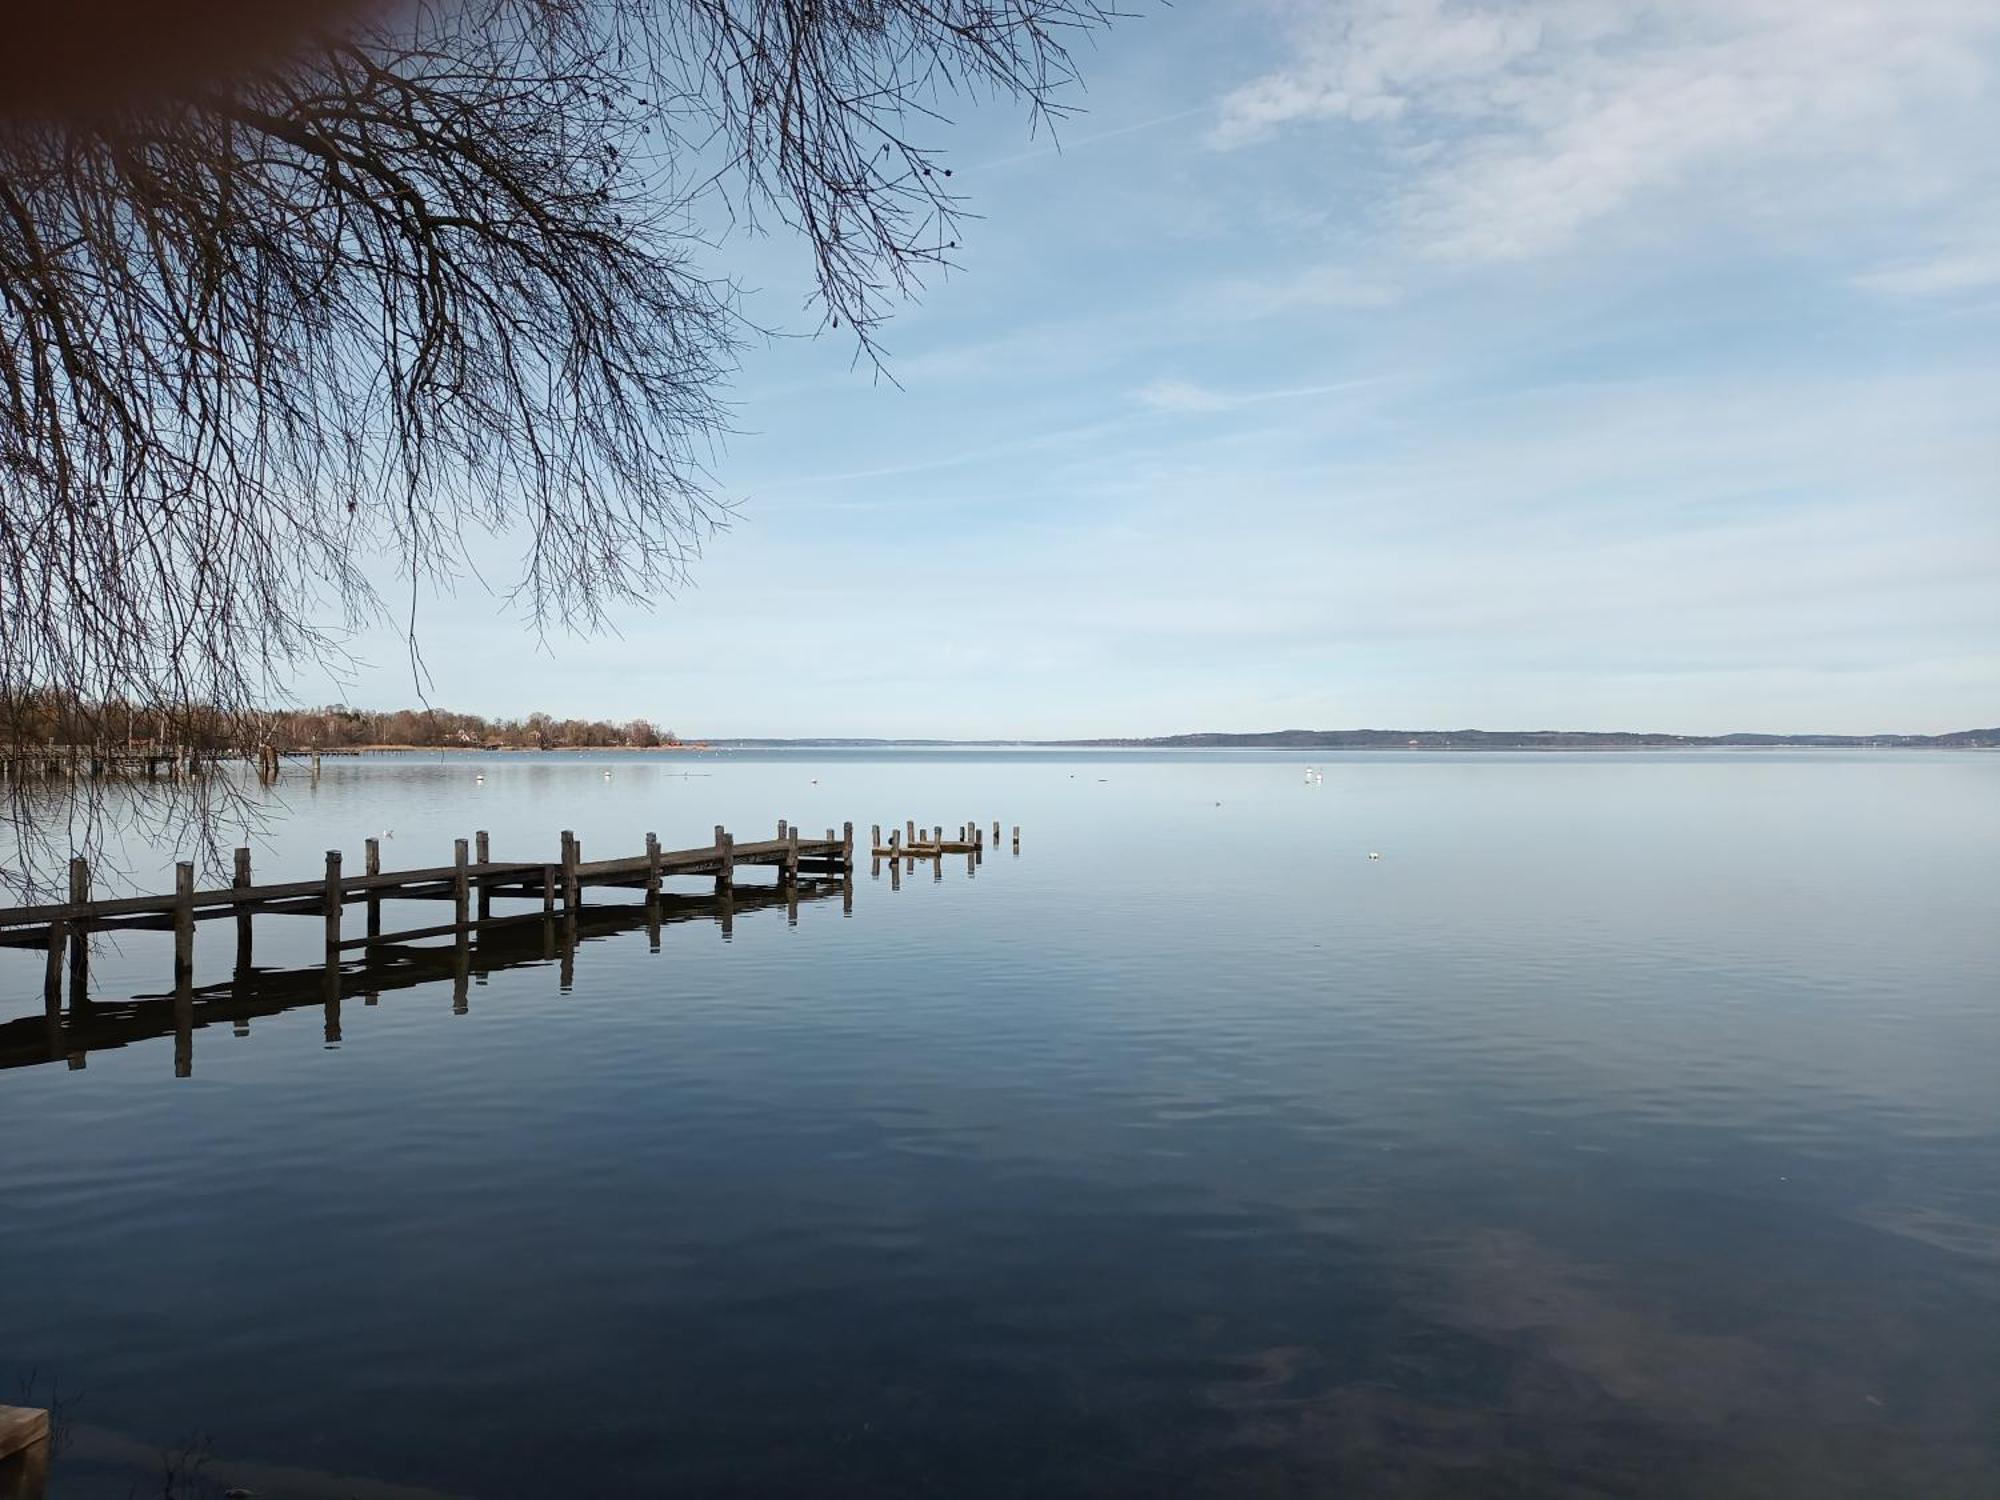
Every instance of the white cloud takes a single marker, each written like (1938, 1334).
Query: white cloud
(1335, 287)
(1941, 275)
(1186, 396)
(1520, 124)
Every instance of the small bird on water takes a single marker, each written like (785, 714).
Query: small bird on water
(1373, 855)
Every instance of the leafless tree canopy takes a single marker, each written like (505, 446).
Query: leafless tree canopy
(440, 274)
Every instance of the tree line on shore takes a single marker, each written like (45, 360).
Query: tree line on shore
(338, 726)
(56, 721)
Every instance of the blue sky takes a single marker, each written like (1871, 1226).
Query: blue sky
(1401, 363)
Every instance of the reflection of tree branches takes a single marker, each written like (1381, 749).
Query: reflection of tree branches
(184, 1469)
(437, 277)
(60, 1404)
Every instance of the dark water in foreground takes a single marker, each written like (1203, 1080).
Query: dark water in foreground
(1631, 1127)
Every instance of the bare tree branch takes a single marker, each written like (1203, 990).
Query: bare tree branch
(441, 274)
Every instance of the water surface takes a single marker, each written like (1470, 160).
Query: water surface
(1629, 1127)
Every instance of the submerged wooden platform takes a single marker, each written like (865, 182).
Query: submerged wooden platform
(24, 1452)
(472, 879)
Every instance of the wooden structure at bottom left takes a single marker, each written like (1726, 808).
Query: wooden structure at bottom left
(24, 1453)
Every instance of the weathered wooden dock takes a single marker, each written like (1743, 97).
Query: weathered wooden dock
(24, 1452)
(472, 882)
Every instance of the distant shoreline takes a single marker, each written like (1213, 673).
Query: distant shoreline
(1457, 741)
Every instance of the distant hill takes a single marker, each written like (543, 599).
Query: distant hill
(1545, 739)
(1445, 739)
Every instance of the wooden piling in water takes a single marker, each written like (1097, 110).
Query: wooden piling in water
(333, 905)
(371, 863)
(652, 868)
(240, 880)
(79, 939)
(461, 886)
(482, 854)
(183, 923)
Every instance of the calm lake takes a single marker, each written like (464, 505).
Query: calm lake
(1631, 1126)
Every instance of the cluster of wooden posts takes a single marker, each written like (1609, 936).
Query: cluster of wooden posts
(74, 762)
(906, 846)
(913, 842)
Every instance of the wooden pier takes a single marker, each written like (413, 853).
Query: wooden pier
(63, 930)
(480, 950)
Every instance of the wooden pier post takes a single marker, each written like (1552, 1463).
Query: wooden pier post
(875, 836)
(781, 830)
(847, 848)
(725, 845)
(461, 888)
(333, 906)
(240, 880)
(79, 936)
(482, 854)
(996, 833)
(788, 871)
(548, 890)
(909, 832)
(371, 864)
(1017, 838)
(183, 923)
(184, 971)
(653, 875)
(572, 884)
